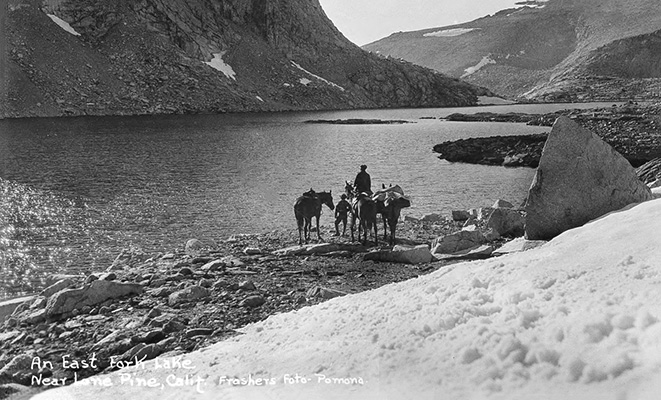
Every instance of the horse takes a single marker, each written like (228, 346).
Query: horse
(308, 206)
(390, 214)
(364, 209)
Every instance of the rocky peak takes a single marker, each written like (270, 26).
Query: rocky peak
(152, 56)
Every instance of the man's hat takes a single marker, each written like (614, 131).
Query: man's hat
(363, 166)
(344, 196)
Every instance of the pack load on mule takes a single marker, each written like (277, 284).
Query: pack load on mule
(308, 206)
(390, 194)
(390, 202)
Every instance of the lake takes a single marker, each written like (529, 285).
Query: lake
(75, 191)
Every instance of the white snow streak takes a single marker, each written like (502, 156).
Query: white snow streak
(63, 24)
(449, 32)
(486, 60)
(316, 77)
(217, 63)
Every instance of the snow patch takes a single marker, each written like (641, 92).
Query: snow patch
(63, 24)
(305, 81)
(449, 32)
(316, 77)
(217, 63)
(486, 60)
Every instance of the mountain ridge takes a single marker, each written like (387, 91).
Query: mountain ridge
(175, 56)
(546, 52)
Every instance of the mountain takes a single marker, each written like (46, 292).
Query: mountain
(547, 50)
(100, 57)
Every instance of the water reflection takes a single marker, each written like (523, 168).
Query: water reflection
(75, 191)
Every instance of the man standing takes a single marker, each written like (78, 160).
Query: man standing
(342, 210)
(363, 182)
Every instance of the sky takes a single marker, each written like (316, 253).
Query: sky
(365, 21)
(578, 318)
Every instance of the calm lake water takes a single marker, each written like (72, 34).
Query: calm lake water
(75, 191)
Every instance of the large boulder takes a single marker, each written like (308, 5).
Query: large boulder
(579, 178)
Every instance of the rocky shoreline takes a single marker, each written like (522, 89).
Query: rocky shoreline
(148, 305)
(633, 130)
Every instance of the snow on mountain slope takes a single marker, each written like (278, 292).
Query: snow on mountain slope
(543, 52)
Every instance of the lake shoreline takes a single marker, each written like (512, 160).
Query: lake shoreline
(632, 130)
(245, 279)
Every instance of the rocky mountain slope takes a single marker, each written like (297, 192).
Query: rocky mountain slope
(547, 50)
(99, 57)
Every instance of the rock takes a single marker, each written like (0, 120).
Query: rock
(199, 332)
(579, 178)
(431, 218)
(483, 213)
(231, 261)
(212, 266)
(108, 276)
(290, 251)
(460, 215)
(160, 292)
(507, 222)
(57, 286)
(193, 247)
(142, 351)
(324, 293)
(173, 326)
(252, 301)
(249, 251)
(474, 253)
(321, 248)
(188, 294)
(457, 241)
(7, 307)
(22, 362)
(518, 245)
(64, 302)
(247, 286)
(650, 171)
(152, 336)
(402, 254)
(502, 204)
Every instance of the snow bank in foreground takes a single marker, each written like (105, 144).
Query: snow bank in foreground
(218, 64)
(63, 24)
(577, 318)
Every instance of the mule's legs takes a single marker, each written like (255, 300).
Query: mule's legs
(353, 226)
(318, 233)
(299, 223)
(307, 228)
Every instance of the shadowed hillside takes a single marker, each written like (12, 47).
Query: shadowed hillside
(99, 57)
